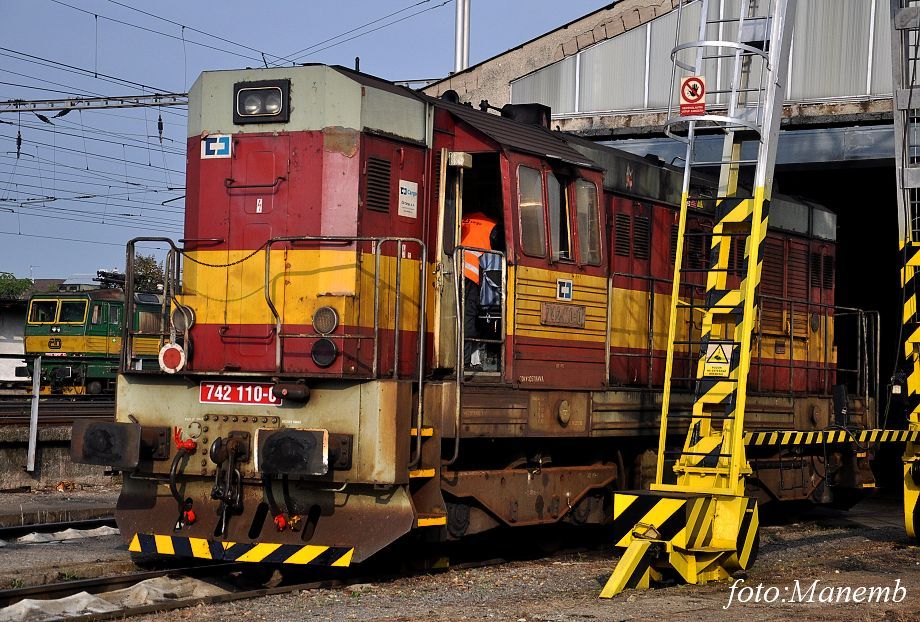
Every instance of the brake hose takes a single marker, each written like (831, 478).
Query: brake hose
(186, 516)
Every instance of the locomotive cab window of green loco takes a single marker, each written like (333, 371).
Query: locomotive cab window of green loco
(72, 312)
(114, 314)
(43, 311)
(530, 206)
(560, 234)
(587, 218)
(96, 317)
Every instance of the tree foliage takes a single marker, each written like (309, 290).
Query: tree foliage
(11, 287)
(148, 275)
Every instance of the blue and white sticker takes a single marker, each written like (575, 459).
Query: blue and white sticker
(564, 289)
(216, 146)
(408, 199)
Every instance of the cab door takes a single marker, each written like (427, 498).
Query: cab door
(560, 281)
(97, 332)
(257, 190)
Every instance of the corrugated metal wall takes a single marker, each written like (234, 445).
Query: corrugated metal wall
(841, 49)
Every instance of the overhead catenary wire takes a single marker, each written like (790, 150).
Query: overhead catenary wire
(299, 54)
(67, 239)
(88, 198)
(117, 211)
(103, 175)
(157, 32)
(367, 32)
(88, 73)
(67, 177)
(198, 31)
(143, 145)
(94, 173)
(114, 220)
(128, 225)
(95, 155)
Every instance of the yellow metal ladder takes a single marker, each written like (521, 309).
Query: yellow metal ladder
(695, 523)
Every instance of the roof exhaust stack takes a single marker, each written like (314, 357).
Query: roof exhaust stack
(462, 36)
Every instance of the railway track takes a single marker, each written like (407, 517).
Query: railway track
(56, 410)
(238, 586)
(222, 573)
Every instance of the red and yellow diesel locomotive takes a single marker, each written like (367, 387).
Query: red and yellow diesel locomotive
(314, 402)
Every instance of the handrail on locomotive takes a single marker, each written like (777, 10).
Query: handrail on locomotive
(173, 286)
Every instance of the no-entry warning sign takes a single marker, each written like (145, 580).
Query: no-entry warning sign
(692, 96)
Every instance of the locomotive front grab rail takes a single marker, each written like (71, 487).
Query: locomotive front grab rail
(378, 243)
(169, 288)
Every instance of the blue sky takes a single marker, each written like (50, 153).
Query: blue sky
(101, 177)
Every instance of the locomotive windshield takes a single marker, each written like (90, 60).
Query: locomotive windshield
(73, 312)
(43, 311)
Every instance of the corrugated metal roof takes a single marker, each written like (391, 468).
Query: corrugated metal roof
(519, 136)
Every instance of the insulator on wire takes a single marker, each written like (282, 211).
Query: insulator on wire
(18, 143)
(160, 126)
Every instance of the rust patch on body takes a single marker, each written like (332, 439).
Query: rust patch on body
(340, 140)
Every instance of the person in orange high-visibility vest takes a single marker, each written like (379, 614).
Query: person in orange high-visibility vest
(475, 232)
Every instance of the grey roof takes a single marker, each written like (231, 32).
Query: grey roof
(523, 137)
(365, 79)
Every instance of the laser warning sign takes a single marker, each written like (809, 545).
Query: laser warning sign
(692, 96)
(717, 362)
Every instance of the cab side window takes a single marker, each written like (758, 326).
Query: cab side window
(96, 317)
(560, 235)
(530, 206)
(588, 221)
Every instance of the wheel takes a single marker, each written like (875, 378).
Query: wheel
(94, 387)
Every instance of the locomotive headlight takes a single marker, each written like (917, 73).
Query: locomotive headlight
(325, 320)
(273, 102)
(252, 104)
(265, 101)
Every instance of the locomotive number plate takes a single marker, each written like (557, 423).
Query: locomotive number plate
(248, 393)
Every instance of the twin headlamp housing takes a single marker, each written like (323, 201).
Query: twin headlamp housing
(263, 101)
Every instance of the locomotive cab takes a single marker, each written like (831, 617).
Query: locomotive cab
(79, 335)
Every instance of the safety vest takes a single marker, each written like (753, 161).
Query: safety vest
(475, 230)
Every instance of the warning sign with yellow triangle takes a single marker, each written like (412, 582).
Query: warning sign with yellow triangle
(716, 363)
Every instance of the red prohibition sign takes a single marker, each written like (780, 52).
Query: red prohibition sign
(692, 90)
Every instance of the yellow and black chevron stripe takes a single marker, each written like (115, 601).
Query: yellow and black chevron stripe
(912, 496)
(748, 542)
(821, 437)
(265, 552)
(635, 513)
(911, 284)
(634, 570)
(716, 397)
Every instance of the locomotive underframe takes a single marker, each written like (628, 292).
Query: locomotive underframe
(521, 460)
